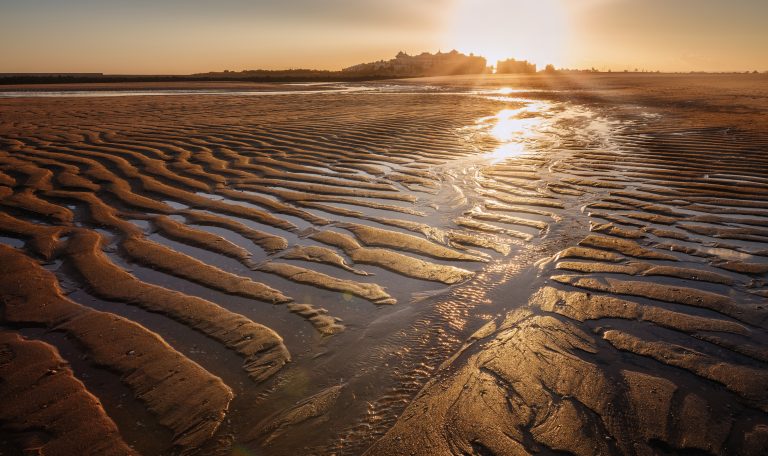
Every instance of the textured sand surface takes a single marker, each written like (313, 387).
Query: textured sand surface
(514, 265)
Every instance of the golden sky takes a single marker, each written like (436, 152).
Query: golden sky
(187, 36)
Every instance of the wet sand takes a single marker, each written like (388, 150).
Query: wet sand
(495, 265)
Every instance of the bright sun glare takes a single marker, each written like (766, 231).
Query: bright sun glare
(533, 30)
(513, 128)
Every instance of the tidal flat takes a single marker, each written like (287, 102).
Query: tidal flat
(491, 265)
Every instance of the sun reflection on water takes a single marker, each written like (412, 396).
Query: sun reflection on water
(510, 125)
(513, 128)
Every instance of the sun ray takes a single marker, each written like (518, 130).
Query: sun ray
(535, 31)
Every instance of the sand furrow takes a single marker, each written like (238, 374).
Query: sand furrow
(261, 347)
(402, 264)
(370, 291)
(163, 379)
(42, 239)
(172, 229)
(377, 237)
(269, 242)
(319, 254)
(40, 394)
(744, 380)
(158, 256)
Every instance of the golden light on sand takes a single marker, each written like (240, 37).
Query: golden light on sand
(511, 127)
(506, 151)
(499, 29)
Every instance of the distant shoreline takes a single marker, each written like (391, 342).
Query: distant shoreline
(266, 76)
(194, 83)
(61, 79)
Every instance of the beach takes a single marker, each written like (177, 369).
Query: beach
(454, 265)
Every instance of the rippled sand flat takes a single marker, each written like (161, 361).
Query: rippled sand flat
(495, 265)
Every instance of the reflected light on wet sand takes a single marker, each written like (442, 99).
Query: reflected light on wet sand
(511, 127)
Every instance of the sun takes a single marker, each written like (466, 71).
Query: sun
(533, 30)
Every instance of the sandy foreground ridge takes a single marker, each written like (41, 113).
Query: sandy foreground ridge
(475, 266)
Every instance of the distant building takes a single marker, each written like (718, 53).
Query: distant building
(424, 64)
(515, 66)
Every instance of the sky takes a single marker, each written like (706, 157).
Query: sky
(189, 36)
